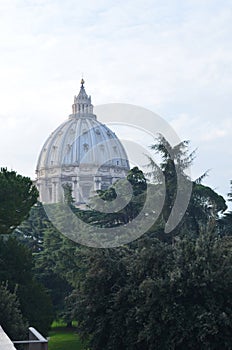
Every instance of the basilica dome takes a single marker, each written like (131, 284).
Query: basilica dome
(81, 152)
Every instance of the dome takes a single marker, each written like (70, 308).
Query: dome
(81, 152)
(82, 140)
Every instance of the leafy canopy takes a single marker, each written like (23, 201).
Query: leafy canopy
(17, 196)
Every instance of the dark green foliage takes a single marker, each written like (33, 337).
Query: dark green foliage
(68, 194)
(46, 242)
(102, 274)
(16, 265)
(52, 268)
(225, 222)
(204, 207)
(107, 195)
(175, 160)
(202, 285)
(157, 296)
(189, 306)
(31, 231)
(230, 193)
(36, 306)
(11, 318)
(163, 291)
(17, 195)
(15, 262)
(138, 181)
(131, 208)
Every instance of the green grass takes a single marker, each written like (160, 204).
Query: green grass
(63, 338)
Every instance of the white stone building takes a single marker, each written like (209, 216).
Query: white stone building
(81, 152)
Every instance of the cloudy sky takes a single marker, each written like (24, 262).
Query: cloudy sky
(173, 57)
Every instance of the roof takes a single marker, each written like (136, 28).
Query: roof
(82, 139)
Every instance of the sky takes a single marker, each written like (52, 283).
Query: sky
(173, 57)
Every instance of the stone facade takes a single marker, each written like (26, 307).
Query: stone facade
(81, 153)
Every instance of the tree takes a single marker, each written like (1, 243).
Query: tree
(17, 196)
(201, 286)
(36, 306)
(130, 206)
(52, 268)
(11, 318)
(44, 241)
(155, 292)
(16, 269)
(225, 224)
(15, 263)
(31, 231)
(68, 198)
(175, 161)
(156, 295)
(225, 221)
(204, 206)
(102, 274)
(230, 193)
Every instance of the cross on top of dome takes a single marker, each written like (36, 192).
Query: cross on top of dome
(82, 103)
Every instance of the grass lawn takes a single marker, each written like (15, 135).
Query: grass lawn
(62, 338)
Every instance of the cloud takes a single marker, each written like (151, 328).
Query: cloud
(174, 57)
